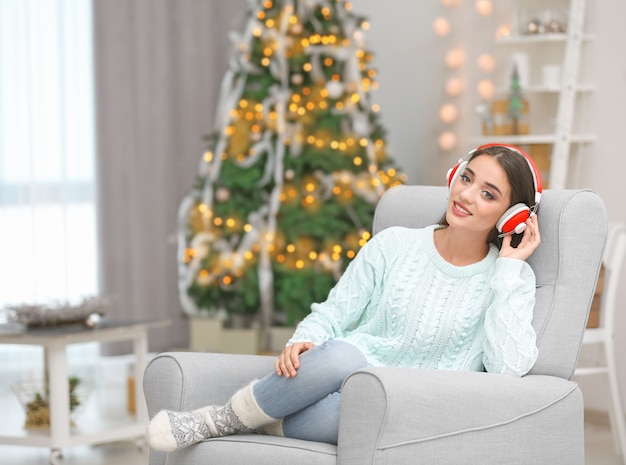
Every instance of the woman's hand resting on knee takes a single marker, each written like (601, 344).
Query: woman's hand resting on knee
(289, 359)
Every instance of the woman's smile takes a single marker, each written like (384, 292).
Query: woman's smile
(460, 209)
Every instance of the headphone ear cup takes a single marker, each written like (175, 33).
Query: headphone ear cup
(514, 219)
(455, 172)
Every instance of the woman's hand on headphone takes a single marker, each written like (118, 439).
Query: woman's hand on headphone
(530, 241)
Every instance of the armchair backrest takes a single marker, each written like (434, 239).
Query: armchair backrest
(573, 228)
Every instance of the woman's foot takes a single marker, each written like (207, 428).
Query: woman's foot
(170, 430)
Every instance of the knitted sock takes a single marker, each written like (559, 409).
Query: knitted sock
(170, 430)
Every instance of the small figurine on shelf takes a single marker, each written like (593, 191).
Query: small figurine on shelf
(518, 106)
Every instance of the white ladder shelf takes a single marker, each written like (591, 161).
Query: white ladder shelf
(560, 159)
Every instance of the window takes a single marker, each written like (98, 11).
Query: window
(47, 192)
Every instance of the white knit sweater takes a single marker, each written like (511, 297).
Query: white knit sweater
(403, 305)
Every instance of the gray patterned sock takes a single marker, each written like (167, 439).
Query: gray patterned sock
(171, 430)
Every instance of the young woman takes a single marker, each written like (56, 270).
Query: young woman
(454, 296)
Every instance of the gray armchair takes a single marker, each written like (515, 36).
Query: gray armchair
(400, 416)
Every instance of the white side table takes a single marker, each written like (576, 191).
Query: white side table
(55, 340)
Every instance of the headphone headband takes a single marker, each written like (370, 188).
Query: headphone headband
(534, 170)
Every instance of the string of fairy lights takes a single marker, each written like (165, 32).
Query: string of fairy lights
(255, 132)
(454, 60)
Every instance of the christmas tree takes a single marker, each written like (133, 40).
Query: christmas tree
(292, 173)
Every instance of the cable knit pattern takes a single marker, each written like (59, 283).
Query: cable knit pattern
(403, 305)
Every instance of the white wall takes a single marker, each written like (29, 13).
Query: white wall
(409, 57)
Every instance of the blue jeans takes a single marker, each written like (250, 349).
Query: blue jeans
(309, 402)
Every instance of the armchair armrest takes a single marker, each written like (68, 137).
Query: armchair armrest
(189, 380)
(395, 416)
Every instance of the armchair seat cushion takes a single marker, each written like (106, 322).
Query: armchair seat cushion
(255, 449)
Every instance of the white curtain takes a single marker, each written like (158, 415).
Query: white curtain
(48, 229)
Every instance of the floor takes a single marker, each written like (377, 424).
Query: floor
(598, 445)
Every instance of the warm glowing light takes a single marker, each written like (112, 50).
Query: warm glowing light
(486, 63)
(450, 3)
(358, 161)
(447, 140)
(441, 26)
(208, 156)
(484, 7)
(454, 58)
(485, 89)
(448, 113)
(502, 32)
(454, 86)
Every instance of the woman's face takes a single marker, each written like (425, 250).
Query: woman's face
(479, 196)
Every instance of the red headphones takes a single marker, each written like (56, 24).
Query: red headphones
(513, 221)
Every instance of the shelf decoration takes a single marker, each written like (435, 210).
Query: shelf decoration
(517, 108)
(34, 397)
(542, 22)
(291, 175)
(88, 311)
